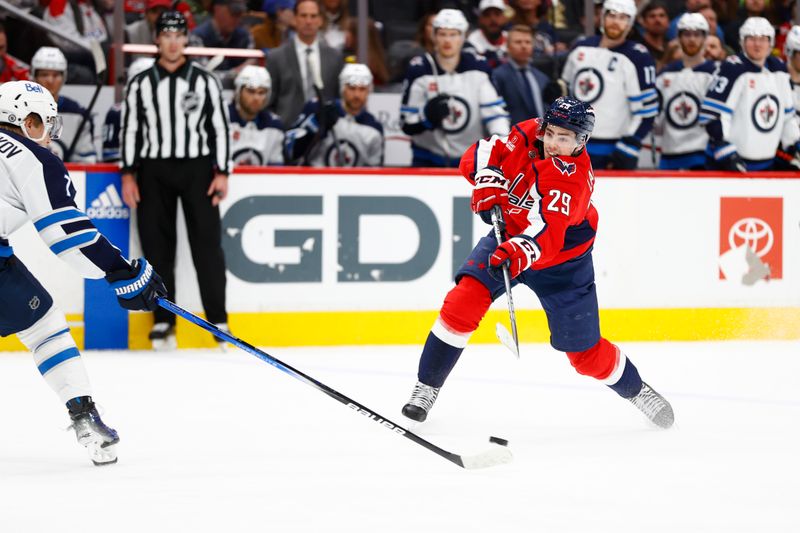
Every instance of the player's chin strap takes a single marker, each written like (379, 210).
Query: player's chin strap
(506, 339)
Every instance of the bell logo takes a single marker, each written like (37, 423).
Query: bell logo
(751, 239)
(108, 204)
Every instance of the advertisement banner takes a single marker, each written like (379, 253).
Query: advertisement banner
(751, 239)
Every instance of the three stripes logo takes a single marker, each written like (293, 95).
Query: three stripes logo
(108, 205)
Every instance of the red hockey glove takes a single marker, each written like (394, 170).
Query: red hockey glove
(519, 253)
(491, 189)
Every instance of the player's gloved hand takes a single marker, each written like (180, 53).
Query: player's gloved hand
(788, 159)
(436, 110)
(518, 253)
(327, 116)
(491, 189)
(732, 163)
(626, 154)
(138, 288)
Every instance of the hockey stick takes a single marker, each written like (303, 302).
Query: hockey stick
(506, 338)
(498, 454)
(447, 147)
(99, 69)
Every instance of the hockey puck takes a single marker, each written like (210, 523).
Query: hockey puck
(498, 440)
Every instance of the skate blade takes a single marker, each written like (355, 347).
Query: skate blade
(103, 454)
(165, 345)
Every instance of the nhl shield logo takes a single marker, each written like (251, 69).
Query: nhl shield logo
(190, 102)
(34, 303)
(588, 85)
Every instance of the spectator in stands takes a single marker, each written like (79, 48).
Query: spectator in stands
(143, 31)
(223, 29)
(340, 133)
(299, 65)
(682, 85)
(424, 36)
(10, 68)
(256, 134)
(113, 121)
(48, 68)
(85, 25)
(715, 51)
(376, 56)
(533, 13)
(449, 100)
(517, 81)
(654, 24)
(335, 22)
(489, 39)
(276, 27)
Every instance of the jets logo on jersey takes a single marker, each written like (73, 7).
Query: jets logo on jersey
(567, 169)
(248, 156)
(459, 115)
(765, 113)
(108, 204)
(588, 85)
(345, 156)
(683, 110)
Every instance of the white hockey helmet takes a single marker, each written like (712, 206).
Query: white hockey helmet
(451, 19)
(140, 65)
(48, 58)
(693, 22)
(626, 7)
(18, 99)
(253, 77)
(792, 43)
(356, 74)
(757, 27)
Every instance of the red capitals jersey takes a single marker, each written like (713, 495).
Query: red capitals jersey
(550, 198)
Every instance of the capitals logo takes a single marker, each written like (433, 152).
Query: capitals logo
(567, 169)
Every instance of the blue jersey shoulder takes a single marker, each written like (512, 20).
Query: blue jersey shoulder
(774, 64)
(470, 60)
(418, 66)
(709, 67)
(675, 66)
(68, 105)
(592, 42)
(636, 52)
(368, 119)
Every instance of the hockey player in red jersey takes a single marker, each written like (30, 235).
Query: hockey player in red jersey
(541, 177)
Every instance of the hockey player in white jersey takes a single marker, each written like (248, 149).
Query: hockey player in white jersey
(617, 77)
(341, 133)
(682, 85)
(256, 133)
(748, 109)
(448, 97)
(35, 186)
(49, 68)
(791, 49)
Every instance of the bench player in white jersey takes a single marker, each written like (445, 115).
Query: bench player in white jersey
(682, 86)
(341, 133)
(617, 77)
(256, 133)
(35, 186)
(448, 97)
(748, 109)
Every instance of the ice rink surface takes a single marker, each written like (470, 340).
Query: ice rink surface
(223, 442)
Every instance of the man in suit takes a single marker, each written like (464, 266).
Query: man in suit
(298, 63)
(517, 81)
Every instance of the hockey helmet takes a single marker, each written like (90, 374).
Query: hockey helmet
(253, 77)
(792, 43)
(572, 114)
(171, 21)
(451, 19)
(18, 99)
(626, 7)
(48, 58)
(693, 22)
(757, 27)
(356, 74)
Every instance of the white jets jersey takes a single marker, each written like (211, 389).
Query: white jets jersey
(476, 110)
(750, 109)
(35, 186)
(494, 53)
(359, 138)
(618, 82)
(681, 91)
(72, 115)
(796, 98)
(257, 142)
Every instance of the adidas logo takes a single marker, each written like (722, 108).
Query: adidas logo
(108, 205)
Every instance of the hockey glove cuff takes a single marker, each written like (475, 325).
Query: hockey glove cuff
(518, 253)
(727, 158)
(436, 110)
(137, 289)
(491, 189)
(626, 154)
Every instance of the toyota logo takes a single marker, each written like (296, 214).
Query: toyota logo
(753, 232)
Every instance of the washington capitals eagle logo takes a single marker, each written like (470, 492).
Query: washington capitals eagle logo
(567, 169)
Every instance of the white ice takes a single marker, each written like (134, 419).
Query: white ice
(223, 442)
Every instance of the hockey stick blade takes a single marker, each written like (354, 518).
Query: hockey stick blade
(506, 339)
(486, 459)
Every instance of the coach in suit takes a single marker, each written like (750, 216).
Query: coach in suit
(517, 81)
(296, 64)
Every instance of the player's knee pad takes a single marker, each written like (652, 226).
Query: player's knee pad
(465, 305)
(603, 361)
(49, 340)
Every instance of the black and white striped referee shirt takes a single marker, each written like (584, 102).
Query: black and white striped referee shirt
(174, 115)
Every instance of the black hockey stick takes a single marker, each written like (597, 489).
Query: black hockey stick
(509, 341)
(100, 70)
(498, 454)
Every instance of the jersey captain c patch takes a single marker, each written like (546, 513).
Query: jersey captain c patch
(683, 110)
(765, 113)
(588, 85)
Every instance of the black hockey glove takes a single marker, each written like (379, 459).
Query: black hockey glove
(553, 91)
(138, 288)
(436, 110)
(327, 116)
(732, 163)
(626, 154)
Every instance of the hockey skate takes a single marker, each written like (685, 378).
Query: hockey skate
(421, 401)
(222, 343)
(163, 337)
(99, 439)
(654, 406)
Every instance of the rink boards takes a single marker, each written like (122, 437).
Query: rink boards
(330, 257)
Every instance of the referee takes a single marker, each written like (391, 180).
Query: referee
(175, 146)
